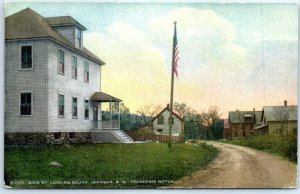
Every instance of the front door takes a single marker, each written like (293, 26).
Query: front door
(95, 115)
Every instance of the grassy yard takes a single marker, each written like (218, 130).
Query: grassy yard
(103, 165)
(283, 145)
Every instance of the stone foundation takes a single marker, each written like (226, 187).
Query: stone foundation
(47, 138)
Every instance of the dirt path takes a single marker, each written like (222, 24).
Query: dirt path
(240, 167)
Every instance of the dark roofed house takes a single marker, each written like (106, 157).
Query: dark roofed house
(242, 123)
(52, 84)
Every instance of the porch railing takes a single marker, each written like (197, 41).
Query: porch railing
(106, 124)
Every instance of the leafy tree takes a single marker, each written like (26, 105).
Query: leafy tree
(125, 117)
(181, 109)
(210, 119)
(147, 112)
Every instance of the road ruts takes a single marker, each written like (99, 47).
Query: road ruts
(241, 167)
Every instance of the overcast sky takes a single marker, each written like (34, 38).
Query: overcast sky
(234, 56)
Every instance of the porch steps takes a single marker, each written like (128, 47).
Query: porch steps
(124, 136)
(110, 136)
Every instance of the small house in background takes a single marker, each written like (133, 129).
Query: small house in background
(242, 123)
(160, 126)
(158, 130)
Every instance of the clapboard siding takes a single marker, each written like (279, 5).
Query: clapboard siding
(58, 83)
(176, 128)
(17, 81)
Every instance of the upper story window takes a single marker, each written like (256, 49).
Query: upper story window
(74, 68)
(74, 107)
(61, 61)
(248, 118)
(160, 120)
(78, 38)
(86, 71)
(172, 120)
(26, 103)
(61, 105)
(26, 57)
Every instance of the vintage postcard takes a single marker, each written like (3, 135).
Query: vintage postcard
(150, 95)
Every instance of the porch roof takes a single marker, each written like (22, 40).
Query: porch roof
(103, 97)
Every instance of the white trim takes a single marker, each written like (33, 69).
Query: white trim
(20, 57)
(86, 118)
(74, 117)
(58, 61)
(57, 105)
(59, 92)
(84, 62)
(76, 67)
(22, 92)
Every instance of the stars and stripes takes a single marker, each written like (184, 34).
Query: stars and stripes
(176, 52)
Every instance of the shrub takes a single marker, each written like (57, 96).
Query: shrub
(283, 145)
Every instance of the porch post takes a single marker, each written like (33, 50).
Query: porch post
(99, 114)
(110, 115)
(119, 116)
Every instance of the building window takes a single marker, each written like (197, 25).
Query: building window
(71, 135)
(78, 38)
(159, 130)
(86, 71)
(244, 133)
(74, 107)
(57, 135)
(74, 68)
(61, 105)
(160, 120)
(236, 134)
(248, 118)
(172, 120)
(26, 103)
(294, 131)
(86, 109)
(61, 64)
(26, 57)
(278, 131)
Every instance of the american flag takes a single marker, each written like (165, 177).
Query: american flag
(176, 52)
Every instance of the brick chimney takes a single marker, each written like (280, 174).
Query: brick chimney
(168, 106)
(285, 103)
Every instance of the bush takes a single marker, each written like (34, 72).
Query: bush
(284, 145)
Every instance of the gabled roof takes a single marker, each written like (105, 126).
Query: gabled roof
(258, 120)
(239, 116)
(280, 113)
(168, 109)
(103, 97)
(27, 24)
(64, 21)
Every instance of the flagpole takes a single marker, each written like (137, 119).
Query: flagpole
(172, 89)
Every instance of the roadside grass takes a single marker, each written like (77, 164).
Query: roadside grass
(281, 145)
(133, 165)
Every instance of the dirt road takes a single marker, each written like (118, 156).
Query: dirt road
(240, 167)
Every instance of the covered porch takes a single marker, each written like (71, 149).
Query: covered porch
(109, 119)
